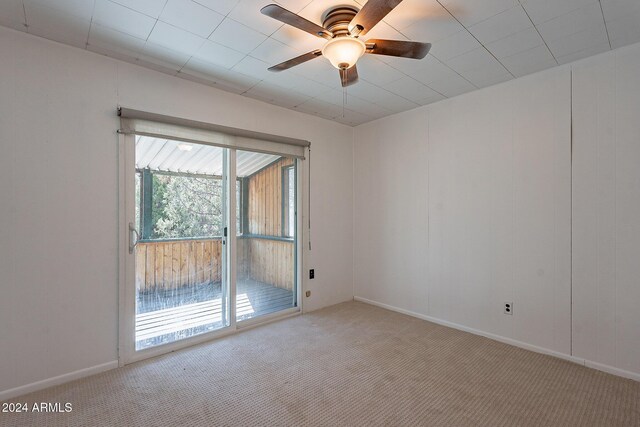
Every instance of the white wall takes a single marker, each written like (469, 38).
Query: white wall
(390, 210)
(606, 209)
(498, 185)
(486, 186)
(58, 192)
(500, 210)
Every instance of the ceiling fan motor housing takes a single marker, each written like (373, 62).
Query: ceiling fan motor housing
(337, 19)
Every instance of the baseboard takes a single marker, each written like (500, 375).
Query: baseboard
(612, 370)
(60, 379)
(580, 361)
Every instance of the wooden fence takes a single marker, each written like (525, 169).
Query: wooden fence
(176, 264)
(267, 261)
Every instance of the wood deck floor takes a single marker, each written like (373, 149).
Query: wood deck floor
(166, 325)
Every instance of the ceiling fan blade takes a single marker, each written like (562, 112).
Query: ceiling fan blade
(296, 61)
(404, 49)
(371, 13)
(349, 76)
(283, 15)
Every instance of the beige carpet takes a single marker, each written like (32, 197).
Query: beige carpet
(351, 364)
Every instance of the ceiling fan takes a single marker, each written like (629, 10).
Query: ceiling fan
(343, 26)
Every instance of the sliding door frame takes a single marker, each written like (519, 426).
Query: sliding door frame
(126, 260)
(297, 264)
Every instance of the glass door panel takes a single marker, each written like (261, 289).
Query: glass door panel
(266, 242)
(180, 261)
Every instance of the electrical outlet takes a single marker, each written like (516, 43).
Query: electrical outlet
(308, 294)
(312, 273)
(508, 308)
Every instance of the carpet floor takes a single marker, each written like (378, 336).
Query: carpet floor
(351, 364)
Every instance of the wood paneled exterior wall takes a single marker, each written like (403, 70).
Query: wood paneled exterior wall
(264, 210)
(173, 264)
(268, 261)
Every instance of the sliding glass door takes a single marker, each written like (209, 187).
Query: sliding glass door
(189, 207)
(180, 259)
(266, 241)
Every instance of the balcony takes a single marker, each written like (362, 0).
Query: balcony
(179, 285)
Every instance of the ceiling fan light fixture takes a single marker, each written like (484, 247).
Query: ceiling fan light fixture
(344, 52)
(343, 26)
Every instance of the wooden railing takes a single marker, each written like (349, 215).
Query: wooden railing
(175, 264)
(164, 265)
(267, 261)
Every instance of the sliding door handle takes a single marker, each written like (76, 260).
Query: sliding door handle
(133, 237)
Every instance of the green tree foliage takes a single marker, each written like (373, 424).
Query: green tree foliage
(184, 206)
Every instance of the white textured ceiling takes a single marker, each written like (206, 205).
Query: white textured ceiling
(229, 44)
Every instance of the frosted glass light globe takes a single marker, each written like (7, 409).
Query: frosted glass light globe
(344, 52)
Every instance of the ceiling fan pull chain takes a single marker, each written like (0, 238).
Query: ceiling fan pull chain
(344, 99)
